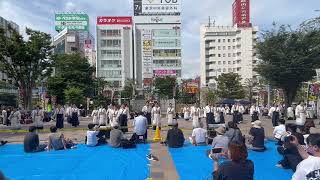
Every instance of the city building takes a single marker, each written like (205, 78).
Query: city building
(114, 50)
(5, 24)
(90, 54)
(67, 42)
(226, 49)
(157, 44)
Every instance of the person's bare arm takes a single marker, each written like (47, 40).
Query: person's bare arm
(194, 142)
(63, 141)
(49, 144)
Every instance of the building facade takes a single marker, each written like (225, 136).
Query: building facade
(67, 42)
(114, 50)
(5, 24)
(226, 49)
(157, 44)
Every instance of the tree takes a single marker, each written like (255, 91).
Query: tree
(71, 71)
(166, 86)
(229, 86)
(249, 87)
(25, 61)
(289, 58)
(128, 89)
(208, 96)
(74, 95)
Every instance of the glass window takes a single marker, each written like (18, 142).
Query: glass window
(224, 48)
(103, 43)
(219, 40)
(229, 62)
(234, 54)
(167, 53)
(229, 40)
(114, 33)
(166, 32)
(224, 55)
(224, 69)
(219, 55)
(224, 40)
(229, 47)
(219, 48)
(234, 47)
(224, 62)
(219, 62)
(103, 33)
(234, 40)
(229, 54)
(219, 70)
(114, 43)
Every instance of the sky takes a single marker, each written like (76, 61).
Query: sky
(39, 15)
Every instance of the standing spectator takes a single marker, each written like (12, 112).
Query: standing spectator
(102, 114)
(124, 115)
(254, 112)
(209, 110)
(31, 141)
(175, 137)
(75, 116)
(4, 116)
(238, 168)
(195, 114)
(186, 113)
(257, 132)
(290, 113)
(199, 136)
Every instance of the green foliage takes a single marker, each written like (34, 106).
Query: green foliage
(229, 86)
(128, 89)
(25, 61)
(289, 58)
(71, 71)
(249, 87)
(74, 95)
(166, 87)
(101, 100)
(208, 96)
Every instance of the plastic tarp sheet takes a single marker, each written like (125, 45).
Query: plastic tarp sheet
(82, 163)
(192, 163)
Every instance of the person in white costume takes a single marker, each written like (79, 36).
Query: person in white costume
(15, 118)
(102, 117)
(195, 113)
(300, 114)
(156, 116)
(170, 115)
(94, 116)
(37, 117)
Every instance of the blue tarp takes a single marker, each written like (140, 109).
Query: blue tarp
(83, 163)
(193, 164)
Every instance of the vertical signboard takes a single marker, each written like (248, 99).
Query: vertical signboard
(72, 21)
(147, 71)
(241, 13)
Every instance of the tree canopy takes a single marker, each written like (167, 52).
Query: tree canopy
(25, 61)
(288, 58)
(229, 86)
(165, 86)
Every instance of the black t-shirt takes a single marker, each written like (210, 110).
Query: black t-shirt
(31, 142)
(231, 170)
(258, 137)
(175, 138)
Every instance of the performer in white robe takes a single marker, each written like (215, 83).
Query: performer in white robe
(124, 116)
(186, 113)
(147, 112)
(171, 115)
(15, 118)
(102, 117)
(115, 116)
(37, 117)
(59, 116)
(94, 116)
(254, 112)
(156, 115)
(4, 116)
(300, 114)
(209, 115)
(196, 113)
(216, 113)
(290, 113)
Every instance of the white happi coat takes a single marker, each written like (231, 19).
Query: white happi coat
(170, 116)
(156, 116)
(300, 115)
(195, 117)
(94, 115)
(37, 117)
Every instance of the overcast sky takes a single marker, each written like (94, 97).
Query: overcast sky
(39, 15)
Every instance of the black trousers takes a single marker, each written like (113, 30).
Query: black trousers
(275, 118)
(123, 120)
(236, 117)
(148, 116)
(254, 117)
(59, 123)
(210, 119)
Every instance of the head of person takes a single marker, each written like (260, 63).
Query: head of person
(116, 126)
(301, 103)
(53, 129)
(212, 134)
(237, 152)
(232, 125)
(91, 126)
(314, 145)
(156, 104)
(175, 125)
(38, 107)
(170, 105)
(257, 124)
(147, 103)
(291, 128)
(32, 129)
(220, 130)
(282, 121)
(140, 113)
(123, 106)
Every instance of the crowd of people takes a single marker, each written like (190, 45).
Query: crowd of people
(297, 144)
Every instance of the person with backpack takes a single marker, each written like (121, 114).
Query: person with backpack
(234, 133)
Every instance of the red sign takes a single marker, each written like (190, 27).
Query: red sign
(124, 20)
(147, 81)
(241, 13)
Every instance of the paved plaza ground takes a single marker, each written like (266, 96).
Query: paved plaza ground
(164, 168)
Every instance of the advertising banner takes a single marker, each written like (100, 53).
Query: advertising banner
(157, 19)
(123, 20)
(72, 21)
(157, 7)
(147, 54)
(241, 13)
(165, 72)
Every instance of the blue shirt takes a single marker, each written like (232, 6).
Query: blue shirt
(140, 124)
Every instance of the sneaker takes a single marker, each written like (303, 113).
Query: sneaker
(150, 157)
(279, 166)
(73, 147)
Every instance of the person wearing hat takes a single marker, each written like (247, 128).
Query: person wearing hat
(220, 141)
(199, 136)
(257, 132)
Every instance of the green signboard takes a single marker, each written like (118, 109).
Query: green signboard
(78, 22)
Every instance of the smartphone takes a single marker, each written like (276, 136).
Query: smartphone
(216, 150)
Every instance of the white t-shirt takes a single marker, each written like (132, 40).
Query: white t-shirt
(92, 138)
(279, 131)
(308, 169)
(200, 135)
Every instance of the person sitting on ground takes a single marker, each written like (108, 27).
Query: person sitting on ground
(257, 132)
(279, 130)
(199, 136)
(234, 133)
(309, 168)
(175, 137)
(2, 177)
(140, 124)
(3, 142)
(93, 138)
(211, 135)
(116, 136)
(239, 167)
(220, 141)
(31, 141)
(292, 130)
(57, 140)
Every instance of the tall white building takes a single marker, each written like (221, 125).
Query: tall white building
(226, 49)
(114, 50)
(157, 42)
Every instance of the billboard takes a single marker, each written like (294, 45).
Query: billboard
(157, 7)
(241, 13)
(165, 72)
(121, 20)
(72, 21)
(157, 19)
(147, 54)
